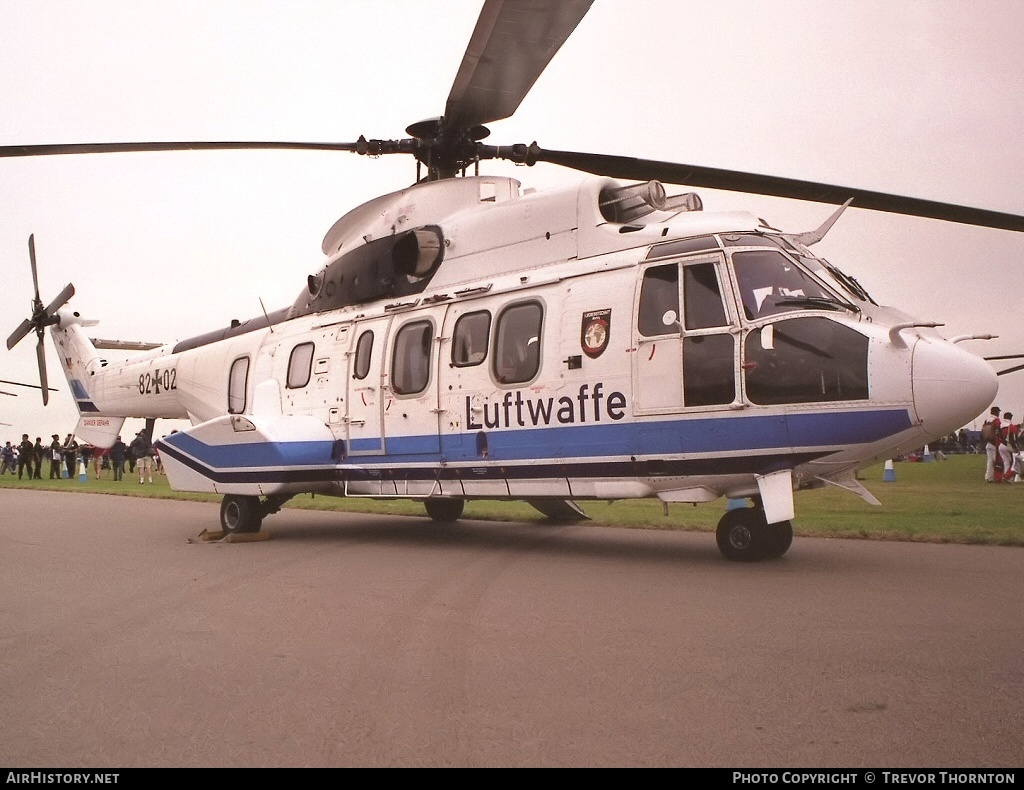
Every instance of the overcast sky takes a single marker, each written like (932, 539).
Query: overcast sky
(919, 98)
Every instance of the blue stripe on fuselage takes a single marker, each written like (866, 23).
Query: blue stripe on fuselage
(732, 435)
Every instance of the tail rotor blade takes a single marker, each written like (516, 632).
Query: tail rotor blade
(61, 300)
(41, 358)
(32, 260)
(23, 329)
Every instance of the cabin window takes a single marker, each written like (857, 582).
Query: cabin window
(517, 343)
(238, 381)
(469, 340)
(364, 348)
(410, 363)
(806, 360)
(659, 294)
(770, 283)
(300, 365)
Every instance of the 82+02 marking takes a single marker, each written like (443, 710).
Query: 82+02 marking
(152, 383)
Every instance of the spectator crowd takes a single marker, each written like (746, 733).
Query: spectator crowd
(69, 459)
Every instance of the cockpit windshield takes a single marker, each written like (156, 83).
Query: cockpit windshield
(835, 277)
(770, 283)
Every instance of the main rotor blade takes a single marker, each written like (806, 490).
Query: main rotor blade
(630, 168)
(119, 148)
(20, 384)
(61, 300)
(41, 359)
(1006, 356)
(513, 42)
(16, 337)
(1009, 370)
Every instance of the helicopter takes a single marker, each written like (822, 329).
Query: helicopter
(468, 338)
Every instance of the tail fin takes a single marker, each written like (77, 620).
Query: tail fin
(80, 360)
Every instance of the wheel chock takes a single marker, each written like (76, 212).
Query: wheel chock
(206, 536)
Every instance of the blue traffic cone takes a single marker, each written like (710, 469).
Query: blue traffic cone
(927, 454)
(890, 474)
(82, 476)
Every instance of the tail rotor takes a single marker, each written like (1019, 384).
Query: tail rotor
(41, 318)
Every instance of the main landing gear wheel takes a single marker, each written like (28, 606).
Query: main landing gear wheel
(239, 514)
(744, 536)
(444, 510)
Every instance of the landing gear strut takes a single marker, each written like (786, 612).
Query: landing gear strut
(241, 514)
(744, 535)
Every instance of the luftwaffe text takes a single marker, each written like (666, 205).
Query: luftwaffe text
(515, 410)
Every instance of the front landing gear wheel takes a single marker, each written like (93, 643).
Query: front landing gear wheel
(444, 510)
(744, 536)
(240, 514)
(781, 538)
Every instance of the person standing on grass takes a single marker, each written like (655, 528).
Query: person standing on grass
(1009, 433)
(991, 443)
(38, 451)
(98, 454)
(85, 452)
(70, 454)
(142, 449)
(7, 462)
(25, 455)
(117, 455)
(56, 453)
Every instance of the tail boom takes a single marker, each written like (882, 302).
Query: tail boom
(109, 390)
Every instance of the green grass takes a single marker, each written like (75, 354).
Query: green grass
(940, 502)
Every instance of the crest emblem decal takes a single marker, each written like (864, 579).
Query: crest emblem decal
(595, 331)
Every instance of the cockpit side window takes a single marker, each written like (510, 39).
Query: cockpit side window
(770, 283)
(805, 360)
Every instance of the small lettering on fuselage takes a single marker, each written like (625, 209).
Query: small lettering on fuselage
(514, 410)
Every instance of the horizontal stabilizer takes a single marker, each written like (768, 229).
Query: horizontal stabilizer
(99, 431)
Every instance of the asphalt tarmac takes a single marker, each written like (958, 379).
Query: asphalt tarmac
(351, 640)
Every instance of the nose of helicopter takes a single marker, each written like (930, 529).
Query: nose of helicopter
(951, 386)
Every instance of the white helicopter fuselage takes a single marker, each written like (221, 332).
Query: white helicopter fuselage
(536, 348)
